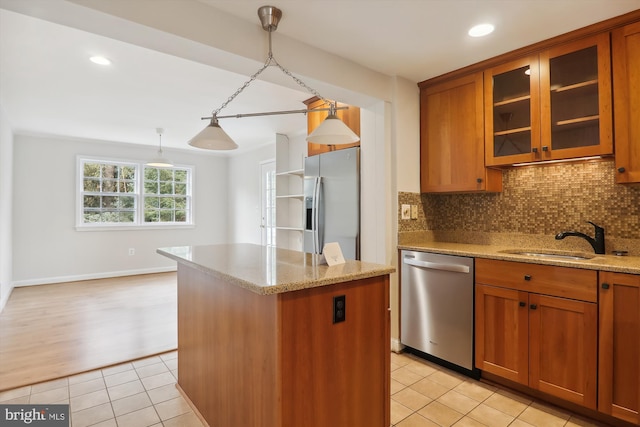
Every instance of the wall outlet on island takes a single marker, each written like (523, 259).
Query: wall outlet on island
(132, 251)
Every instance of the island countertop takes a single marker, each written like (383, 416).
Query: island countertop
(268, 270)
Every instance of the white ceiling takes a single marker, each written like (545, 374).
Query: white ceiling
(47, 85)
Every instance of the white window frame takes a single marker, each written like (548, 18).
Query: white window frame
(139, 208)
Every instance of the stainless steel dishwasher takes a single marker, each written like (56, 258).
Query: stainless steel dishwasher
(436, 307)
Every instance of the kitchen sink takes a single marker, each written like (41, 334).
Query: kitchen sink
(549, 254)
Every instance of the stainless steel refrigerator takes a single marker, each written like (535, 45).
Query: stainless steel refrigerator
(332, 201)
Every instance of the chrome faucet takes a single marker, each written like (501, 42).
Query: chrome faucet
(597, 243)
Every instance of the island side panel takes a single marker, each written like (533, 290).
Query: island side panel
(336, 374)
(227, 350)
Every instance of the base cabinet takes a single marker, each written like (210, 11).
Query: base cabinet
(619, 347)
(545, 341)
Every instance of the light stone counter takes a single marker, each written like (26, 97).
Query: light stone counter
(268, 270)
(619, 264)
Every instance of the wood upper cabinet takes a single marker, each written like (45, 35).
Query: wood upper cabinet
(619, 346)
(626, 88)
(550, 106)
(512, 112)
(350, 116)
(537, 325)
(452, 138)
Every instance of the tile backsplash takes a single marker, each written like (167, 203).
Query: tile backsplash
(541, 199)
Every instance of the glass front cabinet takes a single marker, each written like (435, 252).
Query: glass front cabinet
(551, 106)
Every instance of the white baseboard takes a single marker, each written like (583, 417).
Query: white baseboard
(396, 345)
(93, 276)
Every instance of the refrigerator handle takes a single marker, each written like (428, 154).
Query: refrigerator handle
(316, 215)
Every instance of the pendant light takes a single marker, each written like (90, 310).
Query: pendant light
(330, 132)
(160, 161)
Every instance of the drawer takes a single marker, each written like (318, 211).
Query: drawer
(566, 282)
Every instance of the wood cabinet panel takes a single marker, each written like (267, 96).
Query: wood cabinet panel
(562, 348)
(501, 332)
(452, 138)
(548, 343)
(576, 105)
(626, 90)
(342, 369)
(552, 105)
(619, 346)
(213, 315)
(246, 359)
(512, 111)
(543, 279)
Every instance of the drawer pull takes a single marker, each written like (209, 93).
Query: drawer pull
(533, 306)
(527, 277)
(605, 286)
(522, 303)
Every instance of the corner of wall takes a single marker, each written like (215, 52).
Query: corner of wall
(6, 209)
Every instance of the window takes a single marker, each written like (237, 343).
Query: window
(165, 195)
(114, 193)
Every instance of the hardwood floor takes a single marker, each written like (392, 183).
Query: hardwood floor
(53, 331)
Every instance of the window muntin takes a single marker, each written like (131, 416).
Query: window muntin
(108, 192)
(166, 195)
(115, 193)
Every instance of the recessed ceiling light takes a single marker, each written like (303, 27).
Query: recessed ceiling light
(481, 30)
(100, 60)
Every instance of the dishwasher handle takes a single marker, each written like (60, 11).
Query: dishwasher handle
(437, 266)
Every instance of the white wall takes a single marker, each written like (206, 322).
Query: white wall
(46, 246)
(406, 124)
(244, 194)
(6, 203)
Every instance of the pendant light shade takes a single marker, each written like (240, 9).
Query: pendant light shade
(160, 161)
(332, 131)
(213, 138)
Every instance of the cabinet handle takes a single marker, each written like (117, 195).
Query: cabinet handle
(534, 150)
(478, 180)
(533, 306)
(605, 286)
(522, 304)
(545, 148)
(527, 277)
(621, 169)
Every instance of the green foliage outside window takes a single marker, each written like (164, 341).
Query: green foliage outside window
(109, 194)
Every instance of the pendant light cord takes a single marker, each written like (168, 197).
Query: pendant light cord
(271, 60)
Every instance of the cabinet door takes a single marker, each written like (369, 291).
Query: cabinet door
(512, 112)
(626, 88)
(562, 348)
(501, 332)
(452, 138)
(619, 351)
(350, 116)
(575, 97)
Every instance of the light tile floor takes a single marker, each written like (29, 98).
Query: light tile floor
(424, 394)
(143, 394)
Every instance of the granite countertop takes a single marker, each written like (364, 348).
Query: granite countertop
(268, 270)
(619, 264)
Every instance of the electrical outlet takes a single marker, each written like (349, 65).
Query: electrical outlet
(405, 212)
(132, 251)
(414, 211)
(339, 306)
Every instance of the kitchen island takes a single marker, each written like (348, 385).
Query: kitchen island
(259, 345)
